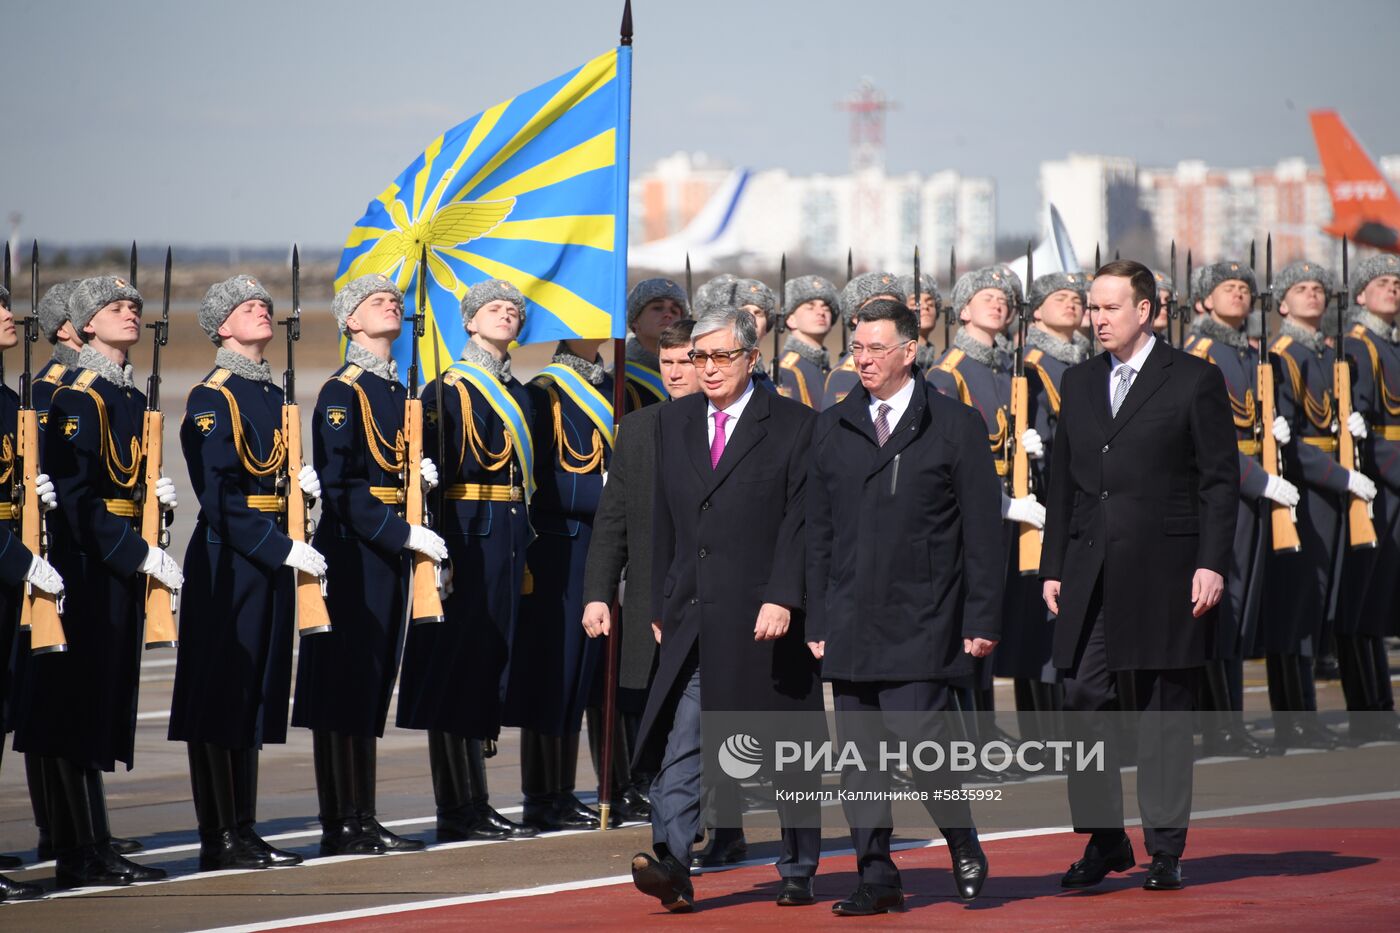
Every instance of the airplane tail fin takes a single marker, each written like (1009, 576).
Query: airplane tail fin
(1357, 188)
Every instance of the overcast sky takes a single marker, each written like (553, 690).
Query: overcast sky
(266, 121)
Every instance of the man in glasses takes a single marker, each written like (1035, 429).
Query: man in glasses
(858, 293)
(901, 477)
(728, 585)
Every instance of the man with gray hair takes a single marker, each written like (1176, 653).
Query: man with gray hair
(727, 591)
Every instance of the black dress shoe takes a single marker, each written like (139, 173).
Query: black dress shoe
(345, 837)
(512, 830)
(796, 892)
(12, 890)
(668, 881)
(1234, 742)
(1306, 733)
(223, 850)
(124, 846)
(870, 899)
(85, 867)
(717, 854)
(631, 806)
(1164, 875)
(572, 813)
(969, 869)
(129, 868)
(392, 842)
(463, 825)
(255, 843)
(1095, 865)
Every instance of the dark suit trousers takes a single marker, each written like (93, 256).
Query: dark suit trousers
(678, 791)
(907, 699)
(1164, 742)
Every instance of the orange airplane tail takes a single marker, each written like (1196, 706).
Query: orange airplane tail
(1361, 196)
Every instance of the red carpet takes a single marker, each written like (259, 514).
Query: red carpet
(1236, 877)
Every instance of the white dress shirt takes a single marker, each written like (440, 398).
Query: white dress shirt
(898, 403)
(1135, 364)
(734, 411)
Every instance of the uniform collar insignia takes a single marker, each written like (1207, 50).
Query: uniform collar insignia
(1314, 340)
(88, 358)
(1207, 326)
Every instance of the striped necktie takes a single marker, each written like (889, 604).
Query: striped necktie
(882, 424)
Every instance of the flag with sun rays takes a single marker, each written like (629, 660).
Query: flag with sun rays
(533, 191)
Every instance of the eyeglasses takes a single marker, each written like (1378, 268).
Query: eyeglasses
(721, 358)
(876, 351)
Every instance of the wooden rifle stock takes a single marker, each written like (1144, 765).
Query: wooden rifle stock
(427, 605)
(39, 610)
(1028, 537)
(312, 617)
(1283, 519)
(160, 600)
(1361, 530)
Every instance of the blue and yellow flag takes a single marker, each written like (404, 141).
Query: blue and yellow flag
(533, 191)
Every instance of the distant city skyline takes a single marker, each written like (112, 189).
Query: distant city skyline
(264, 123)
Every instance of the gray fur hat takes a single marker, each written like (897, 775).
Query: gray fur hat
(1046, 285)
(482, 294)
(355, 291)
(649, 290)
(703, 293)
(92, 295)
(53, 308)
(1164, 282)
(4, 296)
(807, 288)
(1230, 270)
(1018, 287)
(735, 292)
(224, 296)
(1302, 270)
(928, 285)
(1198, 283)
(753, 292)
(1371, 268)
(970, 283)
(867, 285)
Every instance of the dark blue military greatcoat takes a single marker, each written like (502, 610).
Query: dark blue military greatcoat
(235, 657)
(15, 558)
(81, 704)
(454, 673)
(345, 677)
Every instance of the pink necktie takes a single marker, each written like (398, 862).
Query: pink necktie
(717, 445)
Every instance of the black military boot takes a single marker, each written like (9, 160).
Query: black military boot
(8, 861)
(573, 813)
(340, 830)
(211, 780)
(80, 861)
(34, 777)
(539, 777)
(245, 808)
(362, 753)
(1225, 733)
(102, 832)
(457, 817)
(480, 795)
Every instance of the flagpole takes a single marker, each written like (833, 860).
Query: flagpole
(613, 645)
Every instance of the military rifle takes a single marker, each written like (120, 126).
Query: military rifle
(1028, 536)
(160, 600)
(1283, 519)
(427, 604)
(1361, 528)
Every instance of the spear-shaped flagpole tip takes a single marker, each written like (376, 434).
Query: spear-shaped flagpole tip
(627, 23)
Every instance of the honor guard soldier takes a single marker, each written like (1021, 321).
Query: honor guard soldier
(345, 677)
(79, 706)
(751, 295)
(859, 292)
(1228, 290)
(929, 306)
(18, 566)
(652, 306)
(1053, 344)
(1297, 584)
(1166, 290)
(1370, 577)
(453, 673)
(809, 313)
(240, 567)
(555, 668)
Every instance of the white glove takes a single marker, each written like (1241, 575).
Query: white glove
(1025, 509)
(429, 471)
(1281, 491)
(165, 493)
(43, 486)
(427, 542)
(1282, 432)
(162, 566)
(1032, 444)
(42, 576)
(309, 482)
(1356, 425)
(305, 558)
(1361, 486)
